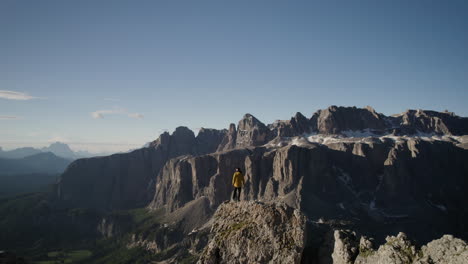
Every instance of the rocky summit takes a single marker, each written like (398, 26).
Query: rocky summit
(252, 232)
(318, 187)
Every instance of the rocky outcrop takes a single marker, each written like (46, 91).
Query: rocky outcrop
(345, 247)
(446, 250)
(252, 232)
(208, 140)
(424, 121)
(334, 120)
(229, 140)
(296, 126)
(397, 250)
(251, 132)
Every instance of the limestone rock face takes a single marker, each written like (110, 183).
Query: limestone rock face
(252, 232)
(113, 182)
(445, 250)
(334, 120)
(251, 132)
(181, 142)
(208, 140)
(268, 174)
(398, 250)
(297, 126)
(379, 181)
(345, 248)
(433, 122)
(229, 140)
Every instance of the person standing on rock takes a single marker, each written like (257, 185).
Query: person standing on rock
(237, 181)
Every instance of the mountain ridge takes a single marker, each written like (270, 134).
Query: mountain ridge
(58, 148)
(344, 167)
(332, 125)
(348, 169)
(43, 162)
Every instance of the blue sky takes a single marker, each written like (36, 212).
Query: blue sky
(112, 75)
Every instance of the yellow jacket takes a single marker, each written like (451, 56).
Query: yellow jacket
(238, 179)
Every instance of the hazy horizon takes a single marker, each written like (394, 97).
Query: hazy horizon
(109, 77)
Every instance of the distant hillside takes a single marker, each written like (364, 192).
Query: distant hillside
(25, 183)
(58, 148)
(45, 162)
(18, 153)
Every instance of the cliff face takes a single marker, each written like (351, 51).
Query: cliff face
(110, 182)
(186, 178)
(126, 180)
(251, 132)
(383, 174)
(335, 119)
(229, 140)
(433, 122)
(296, 126)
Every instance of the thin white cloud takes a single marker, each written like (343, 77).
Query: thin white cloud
(4, 117)
(11, 95)
(136, 115)
(101, 113)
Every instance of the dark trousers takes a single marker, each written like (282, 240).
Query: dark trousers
(236, 193)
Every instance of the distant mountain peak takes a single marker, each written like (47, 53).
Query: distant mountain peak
(249, 121)
(60, 149)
